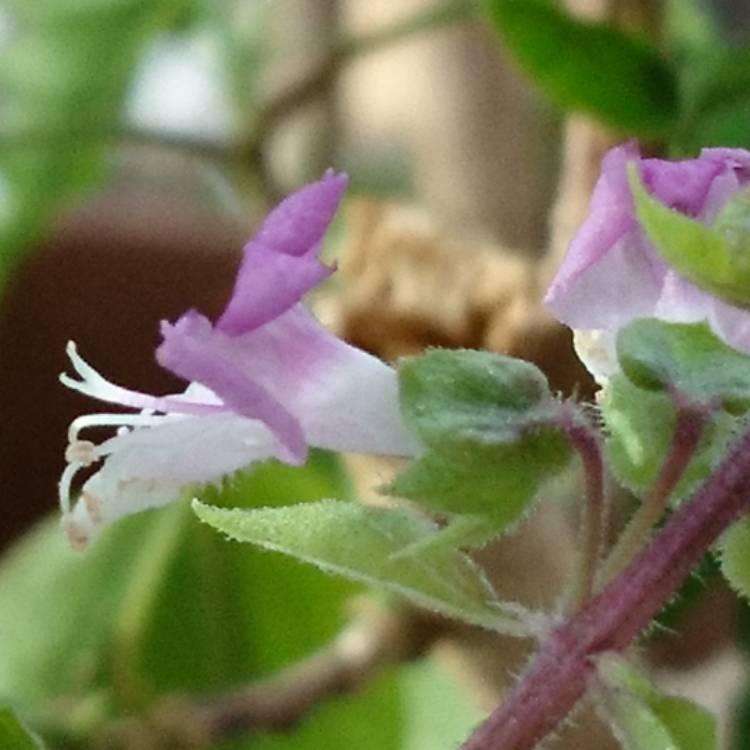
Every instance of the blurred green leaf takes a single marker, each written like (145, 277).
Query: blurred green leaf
(64, 74)
(490, 424)
(645, 719)
(621, 79)
(715, 258)
(362, 543)
(162, 605)
(437, 713)
(640, 425)
(12, 735)
(717, 100)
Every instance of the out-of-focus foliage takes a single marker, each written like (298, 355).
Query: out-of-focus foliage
(619, 78)
(163, 605)
(64, 72)
(645, 719)
(691, 91)
(12, 735)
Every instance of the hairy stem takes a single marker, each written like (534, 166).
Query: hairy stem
(558, 676)
(686, 437)
(586, 442)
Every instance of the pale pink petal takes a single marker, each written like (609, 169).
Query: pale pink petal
(194, 351)
(624, 284)
(611, 273)
(280, 263)
(344, 398)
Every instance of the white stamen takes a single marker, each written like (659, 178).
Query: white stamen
(63, 487)
(111, 420)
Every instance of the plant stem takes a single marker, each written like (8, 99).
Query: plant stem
(558, 676)
(686, 437)
(586, 442)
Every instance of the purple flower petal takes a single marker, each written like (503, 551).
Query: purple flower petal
(193, 350)
(611, 273)
(280, 263)
(344, 398)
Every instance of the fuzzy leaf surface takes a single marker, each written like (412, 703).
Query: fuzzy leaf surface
(687, 358)
(491, 427)
(362, 543)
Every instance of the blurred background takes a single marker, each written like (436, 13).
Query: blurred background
(140, 143)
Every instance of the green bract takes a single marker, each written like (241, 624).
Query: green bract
(685, 358)
(492, 431)
(640, 424)
(645, 719)
(715, 258)
(362, 543)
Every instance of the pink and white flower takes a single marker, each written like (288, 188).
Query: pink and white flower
(612, 274)
(267, 380)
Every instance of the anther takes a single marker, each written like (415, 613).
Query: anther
(81, 452)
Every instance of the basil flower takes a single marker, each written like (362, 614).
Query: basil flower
(267, 380)
(612, 273)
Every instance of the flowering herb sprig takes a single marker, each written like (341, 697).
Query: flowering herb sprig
(666, 335)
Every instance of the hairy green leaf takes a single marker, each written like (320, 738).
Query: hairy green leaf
(621, 79)
(735, 557)
(492, 429)
(685, 358)
(362, 543)
(640, 424)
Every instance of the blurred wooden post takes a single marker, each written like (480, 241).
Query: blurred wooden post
(303, 145)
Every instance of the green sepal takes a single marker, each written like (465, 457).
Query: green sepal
(686, 359)
(363, 543)
(715, 258)
(643, 718)
(492, 429)
(13, 736)
(639, 428)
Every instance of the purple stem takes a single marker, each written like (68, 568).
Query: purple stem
(558, 676)
(688, 431)
(587, 443)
